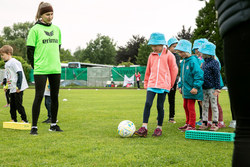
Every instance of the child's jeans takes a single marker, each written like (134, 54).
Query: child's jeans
(160, 106)
(189, 107)
(208, 96)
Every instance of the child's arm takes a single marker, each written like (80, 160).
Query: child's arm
(30, 55)
(198, 76)
(216, 70)
(147, 73)
(172, 68)
(19, 81)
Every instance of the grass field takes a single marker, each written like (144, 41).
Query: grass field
(90, 118)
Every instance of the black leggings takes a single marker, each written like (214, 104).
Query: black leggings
(237, 66)
(40, 82)
(160, 106)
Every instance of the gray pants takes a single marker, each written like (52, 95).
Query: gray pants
(209, 98)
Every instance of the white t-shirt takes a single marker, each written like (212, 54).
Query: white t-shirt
(11, 68)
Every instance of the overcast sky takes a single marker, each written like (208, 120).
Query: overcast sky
(81, 20)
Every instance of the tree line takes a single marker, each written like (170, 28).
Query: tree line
(103, 49)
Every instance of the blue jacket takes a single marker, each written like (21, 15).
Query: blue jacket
(211, 70)
(191, 76)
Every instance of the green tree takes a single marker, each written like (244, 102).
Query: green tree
(130, 51)
(65, 56)
(101, 50)
(16, 37)
(185, 34)
(207, 27)
(143, 54)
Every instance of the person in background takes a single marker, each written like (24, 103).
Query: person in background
(190, 84)
(138, 78)
(172, 43)
(7, 92)
(160, 77)
(47, 102)
(234, 25)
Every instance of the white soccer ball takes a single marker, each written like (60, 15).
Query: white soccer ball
(126, 128)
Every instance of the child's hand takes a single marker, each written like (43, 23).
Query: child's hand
(194, 91)
(216, 92)
(180, 91)
(18, 90)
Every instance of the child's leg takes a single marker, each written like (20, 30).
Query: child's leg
(40, 82)
(54, 81)
(220, 110)
(160, 107)
(185, 106)
(13, 106)
(191, 112)
(148, 105)
(19, 106)
(171, 101)
(7, 95)
(48, 105)
(205, 106)
(214, 105)
(200, 109)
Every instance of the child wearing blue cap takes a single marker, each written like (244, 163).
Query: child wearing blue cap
(190, 85)
(211, 86)
(172, 43)
(197, 44)
(159, 78)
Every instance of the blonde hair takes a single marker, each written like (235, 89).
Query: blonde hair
(41, 5)
(6, 49)
(188, 54)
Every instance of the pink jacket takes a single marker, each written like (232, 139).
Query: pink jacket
(161, 70)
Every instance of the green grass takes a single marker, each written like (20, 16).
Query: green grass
(90, 118)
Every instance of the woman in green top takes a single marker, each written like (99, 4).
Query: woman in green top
(43, 46)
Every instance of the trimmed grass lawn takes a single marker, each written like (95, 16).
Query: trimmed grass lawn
(90, 118)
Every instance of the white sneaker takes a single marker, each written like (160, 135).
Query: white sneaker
(232, 124)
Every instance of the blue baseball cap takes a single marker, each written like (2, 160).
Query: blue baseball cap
(208, 48)
(172, 41)
(184, 45)
(198, 43)
(157, 39)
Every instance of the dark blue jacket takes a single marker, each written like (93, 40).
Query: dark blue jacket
(211, 70)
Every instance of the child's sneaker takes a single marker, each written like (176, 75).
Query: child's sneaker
(183, 127)
(55, 128)
(214, 128)
(189, 128)
(157, 132)
(232, 124)
(220, 125)
(24, 121)
(143, 132)
(199, 123)
(47, 120)
(209, 124)
(7, 105)
(203, 127)
(171, 120)
(33, 131)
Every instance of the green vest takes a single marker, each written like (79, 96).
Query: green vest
(46, 40)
